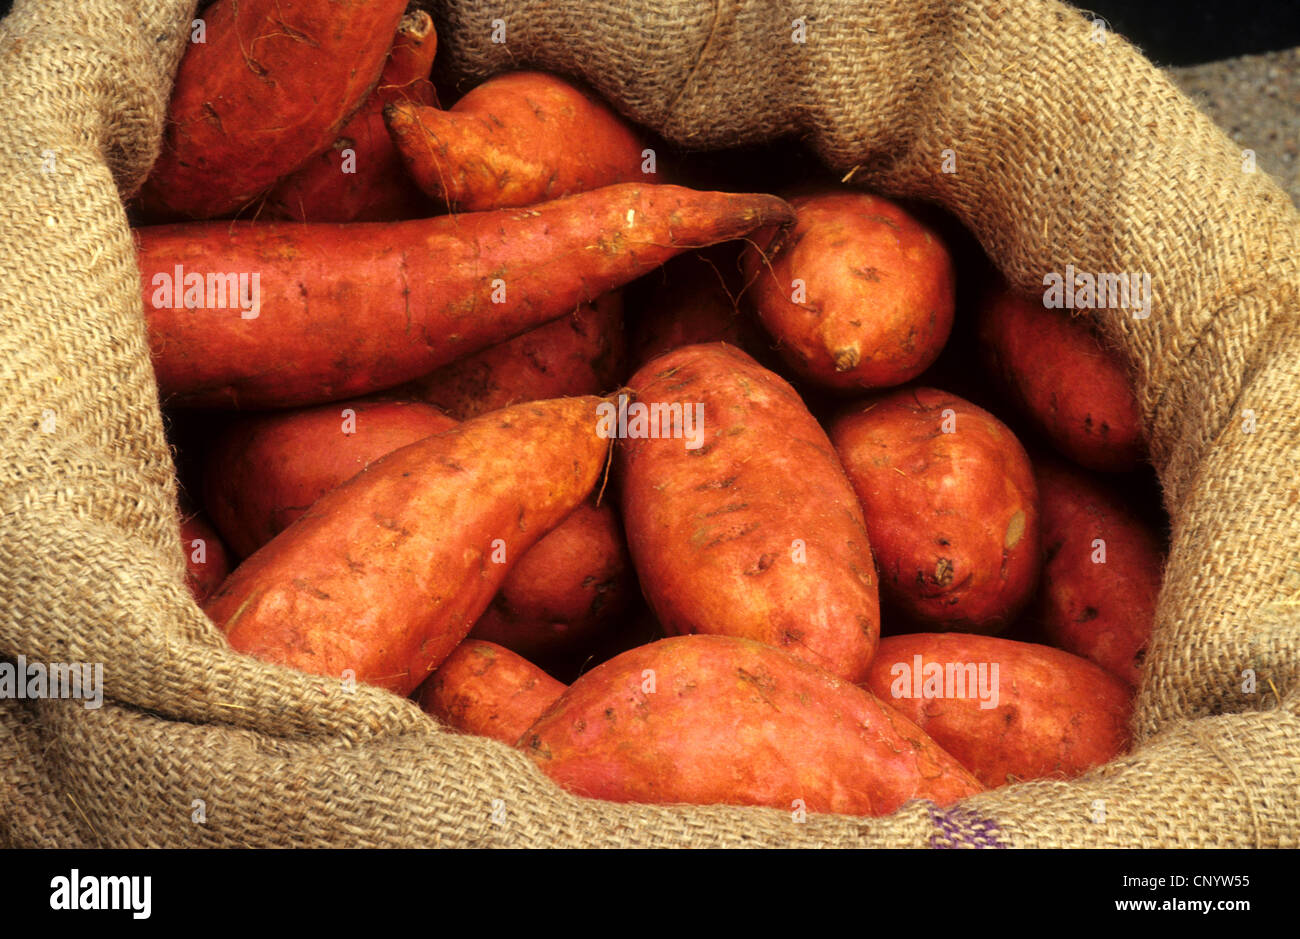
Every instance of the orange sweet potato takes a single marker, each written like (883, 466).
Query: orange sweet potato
(692, 299)
(744, 524)
(270, 87)
(1102, 573)
(951, 507)
(206, 561)
(283, 321)
(1075, 390)
(568, 586)
(717, 720)
(263, 471)
(858, 293)
(384, 576)
(516, 139)
(361, 177)
(1006, 710)
(580, 354)
(484, 689)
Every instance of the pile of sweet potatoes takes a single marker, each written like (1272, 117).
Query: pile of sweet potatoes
(693, 496)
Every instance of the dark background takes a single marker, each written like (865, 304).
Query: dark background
(1181, 32)
(1185, 32)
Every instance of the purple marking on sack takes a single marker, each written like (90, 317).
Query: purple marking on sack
(963, 828)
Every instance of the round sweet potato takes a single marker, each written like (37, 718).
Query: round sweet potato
(565, 589)
(1008, 711)
(858, 294)
(744, 525)
(1102, 573)
(484, 689)
(951, 507)
(1074, 390)
(716, 720)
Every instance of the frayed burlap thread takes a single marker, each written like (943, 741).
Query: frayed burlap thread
(1068, 151)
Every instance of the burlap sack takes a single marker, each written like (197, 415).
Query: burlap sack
(1069, 151)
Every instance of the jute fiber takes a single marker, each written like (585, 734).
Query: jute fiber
(1068, 151)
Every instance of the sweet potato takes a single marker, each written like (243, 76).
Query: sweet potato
(484, 689)
(692, 299)
(206, 561)
(1008, 711)
(386, 574)
(580, 354)
(336, 311)
(1102, 573)
(516, 139)
(717, 720)
(745, 525)
(263, 471)
(1075, 390)
(858, 294)
(271, 86)
(951, 507)
(361, 177)
(565, 589)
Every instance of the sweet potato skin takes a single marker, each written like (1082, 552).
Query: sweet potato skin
(717, 720)
(567, 587)
(271, 87)
(1103, 612)
(374, 580)
(207, 563)
(263, 471)
(379, 189)
(484, 689)
(1055, 370)
(413, 296)
(517, 139)
(1056, 715)
(756, 532)
(953, 517)
(879, 290)
(692, 300)
(580, 354)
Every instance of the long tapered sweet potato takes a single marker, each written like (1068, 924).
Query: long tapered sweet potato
(386, 574)
(271, 86)
(287, 313)
(742, 523)
(263, 471)
(361, 177)
(1102, 572)
(516, 139)
(951, 507)
(717, 720)
(565, 589)
(1007, 710)
(1075, 390)
(579, 354)
(484, 689)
